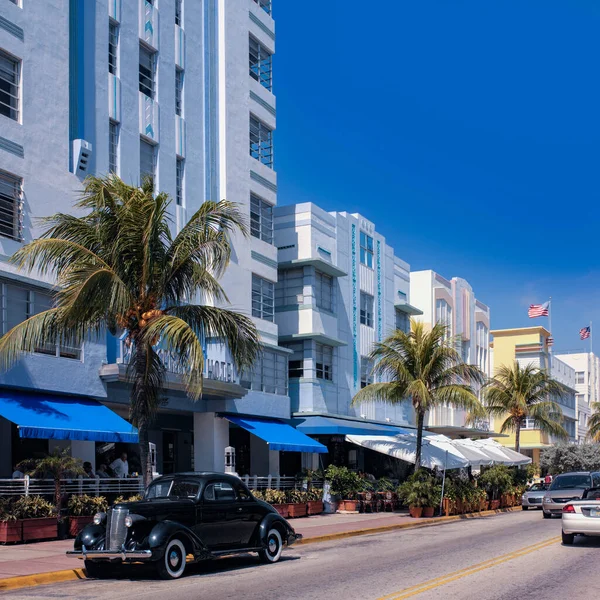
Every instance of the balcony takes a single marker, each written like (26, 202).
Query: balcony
(148, 23)
(149, 114)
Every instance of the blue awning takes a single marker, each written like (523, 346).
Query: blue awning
(49, 417)
(318, 425)
(278, 435)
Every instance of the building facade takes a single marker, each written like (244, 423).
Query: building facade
(587, 386)
(453, 303)
(529, 346)
(184, 95)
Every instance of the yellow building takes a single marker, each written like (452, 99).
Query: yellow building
(527, 345)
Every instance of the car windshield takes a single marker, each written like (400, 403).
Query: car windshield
(565, 482)
(537, 487)
(173, 489)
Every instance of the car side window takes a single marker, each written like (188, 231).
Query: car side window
(185, 489)
(243, 494)
(219, 491)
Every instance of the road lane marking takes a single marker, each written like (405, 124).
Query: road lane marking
(450, 577)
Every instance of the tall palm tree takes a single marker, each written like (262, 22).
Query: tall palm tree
(421, 367)
(120, 268)
(517, 393)
(594, 422)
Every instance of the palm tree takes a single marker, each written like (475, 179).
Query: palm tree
(424, 368)
(120, 268)
(594, 422)
(517, 393)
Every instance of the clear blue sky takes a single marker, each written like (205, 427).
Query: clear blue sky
(468, 132)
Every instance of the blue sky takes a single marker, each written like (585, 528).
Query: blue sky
(468, 132)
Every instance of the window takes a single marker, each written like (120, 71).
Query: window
(178, 92)
(113, 46)
(185, 489)
(295, 360)
(263, 295)
(147, 71)
(324, 362)
(147, 160)
(289, 290)
(179, 13)
(9, 86)
(265, 5)
(366, 249)
(219, 492)
(261, 142)
(580, 377)
(402, 321)
(11, 188)
(179, 173)
(443, 315)
(528, 423)
(261, 64)
(269, 374)
(113, 147)
(366, 309)
(366, 368)
(324, 291)
(261, 219)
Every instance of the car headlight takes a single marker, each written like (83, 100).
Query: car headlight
(131, 519)
(547, 499)
(99, 517)
(523, 497)
(128, 521)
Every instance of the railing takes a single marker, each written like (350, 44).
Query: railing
(92, 486)
(275, 482)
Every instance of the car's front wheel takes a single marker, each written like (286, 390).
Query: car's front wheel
(547, 515)
(524, 507)
(172, 564)
(97, 570)
(568, 538)
(272, 553)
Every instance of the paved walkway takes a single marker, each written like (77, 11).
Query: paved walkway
(44, 557)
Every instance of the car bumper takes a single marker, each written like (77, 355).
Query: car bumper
(293, 538)
(124, 555)
(575, 523)
(527, 502)
(553, 507)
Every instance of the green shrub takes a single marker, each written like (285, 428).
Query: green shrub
(314, 495)
(33, 507)
(420, 489)
(258, 494)
(385, 485)
(134, 498)
(496, 480)
(87, 506)
(7, 511)
(343, 482)
(275, 496)
(296, 497)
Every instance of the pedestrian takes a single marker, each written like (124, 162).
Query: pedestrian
(17, 473)
(548, 479)
(87, 467)
(120, 466)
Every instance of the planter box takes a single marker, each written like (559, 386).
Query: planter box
(282, 509)
(351, 505)
(428, 511)
(495, 504)
(11, 531)
(76, 524)
(40, 529)
(315, 507)
(415, 511)
(297, 510)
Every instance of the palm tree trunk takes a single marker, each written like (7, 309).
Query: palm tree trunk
(57, 496)
(518, 436)
(144, 452)
(420, 422)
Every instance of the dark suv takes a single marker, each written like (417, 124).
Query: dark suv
(567, 487)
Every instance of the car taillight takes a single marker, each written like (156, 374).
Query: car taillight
(569, 508)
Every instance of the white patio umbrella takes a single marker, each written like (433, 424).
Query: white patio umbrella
(517, 458)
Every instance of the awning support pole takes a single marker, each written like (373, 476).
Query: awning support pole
(443, 483)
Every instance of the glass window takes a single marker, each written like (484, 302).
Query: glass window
(260, 64)
(147, 71)
(160, 489)
(113, 46)
(402, 321)
(443, 315)
(178, 92)
(295, 360)
(261, 142)
(289, 290)
(113, 147)
(18, 306)
(11, 194)
(324, 290)
(366, 249)
(324, 362)
(179, 13)
(9, 86)
(366, 371)
(263, 296)
(565, 482)
(147, 160)
(265, 5)
(580, 377)
(219, 492)
(366, 309)
(269, 374)
(179, 181)
(261, 219)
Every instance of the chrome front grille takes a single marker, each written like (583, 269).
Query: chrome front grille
(535, 500)
(116, 532)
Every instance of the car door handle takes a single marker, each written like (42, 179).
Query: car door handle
(240, 509)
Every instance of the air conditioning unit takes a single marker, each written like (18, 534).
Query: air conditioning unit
(82, 155)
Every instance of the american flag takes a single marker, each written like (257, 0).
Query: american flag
(538, 310)
(550, 341)
(585, 332)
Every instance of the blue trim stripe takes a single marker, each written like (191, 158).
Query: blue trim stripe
(12, 147)
(261, 25)
(354, 310)
(12, 28)
(379, 307)
(263, 259)
(262, 103)
(260, 179)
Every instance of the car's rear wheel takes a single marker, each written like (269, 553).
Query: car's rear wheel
(172, 564)
(97, 570)
(524, 507)
(272, 553)
(568, 538)
(547, 515)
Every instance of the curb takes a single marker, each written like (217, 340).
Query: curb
(23, 581)
(416, 525)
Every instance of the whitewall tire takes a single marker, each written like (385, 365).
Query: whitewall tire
(272, 553)
(172, 564)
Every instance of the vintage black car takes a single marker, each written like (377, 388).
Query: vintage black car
(185, 517)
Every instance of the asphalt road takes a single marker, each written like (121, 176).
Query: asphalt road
(506, 557)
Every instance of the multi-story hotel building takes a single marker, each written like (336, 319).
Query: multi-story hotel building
(453, 303)
(181, 90)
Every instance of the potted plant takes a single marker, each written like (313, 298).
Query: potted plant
(82, 510)
(38, 518)
(11, 529)
(344, 486)
(496, 481)
(279, 502)
(314, 501)
(418, 492)
(297, 503)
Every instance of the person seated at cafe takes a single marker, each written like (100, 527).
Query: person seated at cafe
(17, 473)
(101, 471)
(87, 467)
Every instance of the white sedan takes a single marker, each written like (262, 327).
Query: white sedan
(581, 517)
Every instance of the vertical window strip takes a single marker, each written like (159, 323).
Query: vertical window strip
(113, 147)
(261, 64)
(366, 249)
(113, 47)
(179, 91)
(179, 13)
(147, 160)
(263, 298)
(324, 290)
(261, 219)
(261, 142)
(10, 74)
(265, 5)
(179, 176)
(147, 71)
(324, 362)
(11, 205)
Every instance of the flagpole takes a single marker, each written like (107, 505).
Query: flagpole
(550, 319)
(591, 347)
